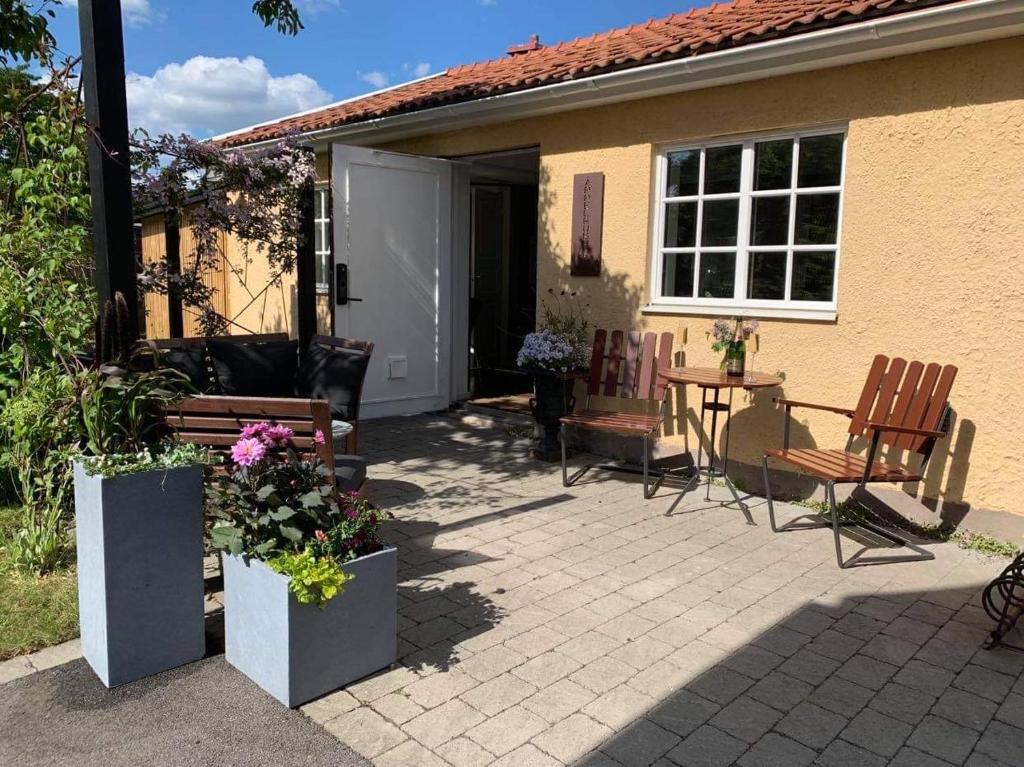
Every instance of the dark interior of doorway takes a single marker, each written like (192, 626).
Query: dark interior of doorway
(503, 289)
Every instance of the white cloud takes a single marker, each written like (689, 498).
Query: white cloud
(136, 13)
(318, 6)
(421, 70)
(207, 95)
(376, 78)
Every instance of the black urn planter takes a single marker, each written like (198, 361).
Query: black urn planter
(552, 398)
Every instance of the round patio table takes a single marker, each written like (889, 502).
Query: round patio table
(711, 382)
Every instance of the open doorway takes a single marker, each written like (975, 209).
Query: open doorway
(503, 274)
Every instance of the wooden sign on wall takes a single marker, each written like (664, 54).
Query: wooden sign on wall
(587, 219)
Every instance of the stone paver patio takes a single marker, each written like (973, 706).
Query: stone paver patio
(542, 625)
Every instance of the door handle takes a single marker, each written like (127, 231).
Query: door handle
(341, 296)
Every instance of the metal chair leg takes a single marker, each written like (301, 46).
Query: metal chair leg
(768, 496)
(647, 494)
(830, 492)
(565, 471)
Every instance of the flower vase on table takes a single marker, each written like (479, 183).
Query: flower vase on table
(731, 338)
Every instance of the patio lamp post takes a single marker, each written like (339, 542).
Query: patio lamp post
(106, 111)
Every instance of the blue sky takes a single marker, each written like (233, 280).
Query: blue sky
(208, 66)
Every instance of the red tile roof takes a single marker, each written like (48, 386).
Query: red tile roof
(698, 31)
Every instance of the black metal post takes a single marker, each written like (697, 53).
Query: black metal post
(305, 268)
(109, 164)
(172, 245)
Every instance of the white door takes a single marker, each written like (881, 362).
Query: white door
(392, 235)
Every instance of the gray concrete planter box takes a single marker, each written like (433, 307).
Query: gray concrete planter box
(140, 571)
(299, 652)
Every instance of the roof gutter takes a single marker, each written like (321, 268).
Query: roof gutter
(912, 32)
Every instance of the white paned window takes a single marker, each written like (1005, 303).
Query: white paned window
(322, 236)
(749, 225)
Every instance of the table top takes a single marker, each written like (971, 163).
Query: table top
(715, 378)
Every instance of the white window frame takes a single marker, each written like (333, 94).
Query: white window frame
(739, 303)
(323, 256)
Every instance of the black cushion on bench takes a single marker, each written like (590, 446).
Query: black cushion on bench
(190, 360)
(255, 369)
(333, 374)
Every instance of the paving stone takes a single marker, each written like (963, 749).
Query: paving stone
(811, 725)
(925, 677)
(860, 626)
(842, 754)
(911, 757)
(780, 691)
(57, 655)
(752, 661)
(572, 737)
(441, 724)
(396, 707)
(809, 666)
(642, 653)
(915, 631)
(782, 641)
(366, 732)
(929, 613)
(508, 730)
(984, 682)
(978, 759)
(499, 693)
(326, 708)
(903, 703)
(619, 707)
(943, 738)
(379, 685)
(879, 609)
(939, 652)
(598, 759)
(491, 662)
(683, 712)
(15, 668)
(589, 646)
(809, 622)
(867, 672)
(1003, 743)
(462, 752)
(720, 685)
(746, 719)
(776, 751)
(439, 688)
(835, 645)
(408, 753)
(546, 669)
(890, 649)
(841, 696)
(527, 755)
(877, 732)
(966, 708)
(1012, 710)
(603, 674)
(641, 743)
(1002, 659)
(559, 701)
(707, 747)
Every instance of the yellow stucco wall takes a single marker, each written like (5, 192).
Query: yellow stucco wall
(931, 252)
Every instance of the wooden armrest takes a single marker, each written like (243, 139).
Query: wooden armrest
(905, 430)
(830, 408)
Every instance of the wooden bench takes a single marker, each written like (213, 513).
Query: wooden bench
(215, 421)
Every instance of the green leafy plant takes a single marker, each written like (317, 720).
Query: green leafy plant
(276, 507)
(172, 455)
(312, 579)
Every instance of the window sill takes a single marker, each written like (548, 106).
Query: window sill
(725, 310)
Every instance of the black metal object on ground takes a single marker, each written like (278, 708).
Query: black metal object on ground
(1003, 600)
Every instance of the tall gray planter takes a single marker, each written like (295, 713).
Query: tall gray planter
(299, 652)
(140, 571)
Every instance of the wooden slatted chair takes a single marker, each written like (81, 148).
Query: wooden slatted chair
(633, 376)
(903, 405)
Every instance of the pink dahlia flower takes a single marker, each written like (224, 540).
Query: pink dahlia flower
(318, 437)
(278, 436)
(248, 451)
(251, 430)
